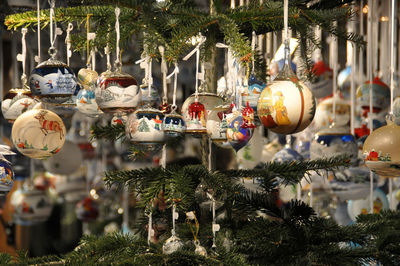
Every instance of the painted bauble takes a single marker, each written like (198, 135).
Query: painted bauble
(323, 83)
(248, 117)
(217, 125)
(52, 81)
(237, 135)
(88, 78)
(117, 92)
(65, 162)
(324, 115)
(286, 106)
(38, 133)
(334, 141)
(252, 92)
(287, 154)
(174, 125)
(65, 110)
(153, 100)
(6, 177)
(196, 116)
(145, 127)
(380, 150)
(16, 102)
(30, 206)
(119, 119)
(362, 206)
(87, 210)
(381, 95)
(172, 245)
(86, 102)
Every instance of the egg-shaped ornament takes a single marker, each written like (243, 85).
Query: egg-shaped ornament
(6, 176)
(38, 133)
(334, 141)
(87, 210)
(324, 115)
(217, 125)
(173, 124)
(238, 132)
(322, 85)
(30, 206)
(65, 162)
(196, 109)
(253, 91)
(52, 81)
(363, 206)
(286, 106)
(86, 98)
(380, 150)
(145, 128)
(380, 92)
(16, 102)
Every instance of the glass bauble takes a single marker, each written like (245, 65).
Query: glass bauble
(324, 115)
(30, 206)
(323, 83)
(287, 154)
(38, 133)
(52, 81)
(153, 100)
(286, 106)
(86, 103)
(344, 79)
(65, 162)
(362, 206)
(334, 141)
(6, 177)
(174, 125)
(87, 210)
(196, 119)
(145, 127)
(253, 91)
(381, 150)
(16, 102)
(217, 125)
(237, 135)
(87, 78)
(172, 245)
(248, 117)
(117, 92)
(380, 92)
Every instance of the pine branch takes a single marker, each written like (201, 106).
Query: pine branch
(108, 132)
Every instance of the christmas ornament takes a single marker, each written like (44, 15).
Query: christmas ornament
(16, 102)
(334, 141)
(153, 98)
(174, 243)
(73, 187)
(238, 133)
(252, 92)
(248, 117)
(87, 210)
(286, 106)
(217, 125)
(119, 119)
(380, 150)
(30, 206)
(344, 79)
(322, 85)
(324, 115)
(287, 154)
(380, 92)
(173, 124)
(362, 206)
(66, 161)
(6, 176)
(38, 133)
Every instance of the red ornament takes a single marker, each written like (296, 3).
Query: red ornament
(248, 117)
(196, 110)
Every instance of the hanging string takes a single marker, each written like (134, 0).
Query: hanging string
(149, 75)
(352, 80)
(93, 56)
(107, 50)
(22, 57)
(286, 19)
(53, 36)
(88, 38)
(253, 49)
(197, 51)
(233, 4)
(334, 81)
(150, 231)
(164, 70)
(175, 74)
(117, 61)
(38, 30)
(68, 41)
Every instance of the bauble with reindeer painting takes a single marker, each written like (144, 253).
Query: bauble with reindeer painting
(286, 106)
(38, 133)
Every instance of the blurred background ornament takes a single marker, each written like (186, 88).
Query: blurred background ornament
(362, 206)
(65, 162)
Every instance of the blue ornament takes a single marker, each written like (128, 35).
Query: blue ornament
(253, 92)
(287, 154)
(6, 177)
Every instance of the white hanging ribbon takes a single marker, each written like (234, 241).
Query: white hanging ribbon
(215, 227)
(93, 57)
(37, 58)
(253, 49)
(150, 75)
(164, 70)
(53, 37)
(22, 57)
(197, 51)
(68, 41)
(286, 19)
(392, 71)
(175, 74)
(117, 13)
(334, 78)
(107, 51)
(150, 229)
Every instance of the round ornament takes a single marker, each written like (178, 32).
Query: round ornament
(380, 92)
(6, 177)
(324, 115)
(117, 92)
(286, 106)
(87, 210)
(38, 133)
(30, 206)
(334, 141)
(16, 102)
(217, 125)
(380, 150)
(323, 83)
(362, 206)
(52, 81)
(65, 162)
(173, 124)
(195, 112)
(86, 99)
(287, 154)
(153, 100)
(172, 245)
(145, 127)
(87, 78)
(238, 133)
(253, 91)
